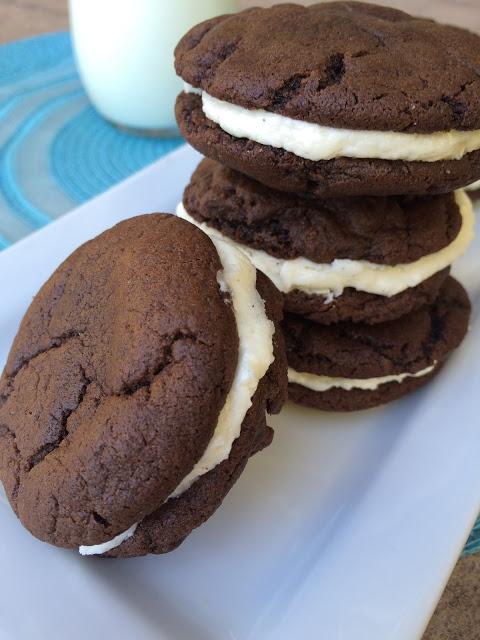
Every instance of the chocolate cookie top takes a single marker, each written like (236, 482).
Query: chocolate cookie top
(340, 64)
(407, 345)
(384, 230)
(115, 381)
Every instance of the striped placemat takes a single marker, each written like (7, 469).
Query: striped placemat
(55, 150)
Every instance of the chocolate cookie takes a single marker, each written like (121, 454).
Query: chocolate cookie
(360, 306)
(318, 234)
(334, 99)
(357, 366)
(117, 382)
(385, 230)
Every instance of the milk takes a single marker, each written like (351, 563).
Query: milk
(124, 52)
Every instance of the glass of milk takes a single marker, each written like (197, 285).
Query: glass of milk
(124, 53)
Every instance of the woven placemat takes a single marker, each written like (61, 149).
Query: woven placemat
(56, 151)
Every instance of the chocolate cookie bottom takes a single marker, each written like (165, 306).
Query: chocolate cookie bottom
(359, 306)
(355, 399)
(418, 342)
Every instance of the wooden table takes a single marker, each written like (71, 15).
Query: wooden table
(457, 616)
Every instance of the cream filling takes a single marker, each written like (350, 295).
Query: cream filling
(330, 280)
(317, 142)
(255, 355)
(324, 383)
(97, 549)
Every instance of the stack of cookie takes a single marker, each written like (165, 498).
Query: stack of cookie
(338, 139)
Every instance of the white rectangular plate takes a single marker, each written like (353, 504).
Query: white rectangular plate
(346, 528)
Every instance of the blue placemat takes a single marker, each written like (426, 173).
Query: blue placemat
(56, 151)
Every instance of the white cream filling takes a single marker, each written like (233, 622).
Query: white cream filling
(255, 355)
(97, 549)
(330, 280)
(316, 142)
(324, 383)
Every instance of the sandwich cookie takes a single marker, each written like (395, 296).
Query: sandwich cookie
(369, 259)
(136, 388)
(348, 366)
(335, 99)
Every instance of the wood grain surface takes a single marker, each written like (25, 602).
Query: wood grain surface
(457, 616)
